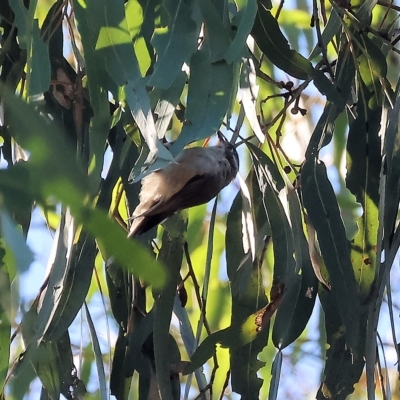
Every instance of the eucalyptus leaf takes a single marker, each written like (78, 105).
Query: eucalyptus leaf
(273, 44)
(174, 43)
(321, 204)
(15, 243)
(210, 87)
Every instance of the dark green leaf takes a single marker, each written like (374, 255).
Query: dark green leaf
(91, 19)
(171, 255)
(52, 361)
(343, 366)
(373, 70)
(273, 44)
(246, 301)
(325, 86)
(363, 175)
(323, 131)
(23, 19)
(243, 21)
(280, 228)
(331, 29)
(214, 32)
(263, 159)
(5, 315)
(321, 204)
(298, 300)
(204, 352)
(276, 374)
(98, 356)
(39, 64)
(392, 188)
(235, 337)
(75, 286)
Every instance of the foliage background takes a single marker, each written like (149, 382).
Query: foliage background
(89, 87)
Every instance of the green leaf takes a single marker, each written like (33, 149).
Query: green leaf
(91, 19)
(240, 262)
(247, 301)
(15, 243)
(331, 29)
(373, 70)
(5, 315)
(175, 43)
(392, 187)
(273, 44)
(188, 338)
(345, 74)
(344, 365)
(244, 21)
(98, 356)
(298, 300)
(55, 172)
(214, 29)
(363, 175)
(281, 233)
(38, 64)
(204, 352)
(139, 340)
(269, 165)
(249, 94)
(141, 24)
(325, 86)
(75, 286)
(323, 131)
(276, 374)
(111, 239)
(364, 13)
(52, 361)
(166, 102)
(114, 45)
(22, 21)
(210, 88)
(321, 204)
(139, 104)
(233, 337)
(171, 255)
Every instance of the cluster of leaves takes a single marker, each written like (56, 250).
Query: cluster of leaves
(140, 70)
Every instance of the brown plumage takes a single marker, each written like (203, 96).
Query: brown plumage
(196, 176)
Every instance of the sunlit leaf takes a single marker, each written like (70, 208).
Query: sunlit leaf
(210, 88)
(174, 44)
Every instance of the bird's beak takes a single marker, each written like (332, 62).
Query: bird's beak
(221, 137)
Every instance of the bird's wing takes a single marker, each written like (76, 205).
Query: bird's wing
(160, 186)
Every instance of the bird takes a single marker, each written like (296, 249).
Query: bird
(194, 177)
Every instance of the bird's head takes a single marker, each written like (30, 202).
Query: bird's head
(230, 152)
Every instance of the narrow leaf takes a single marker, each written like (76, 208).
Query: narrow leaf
(321, 204)
(273, 44)
(15, 243)
(244, 21)
(175, 43)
